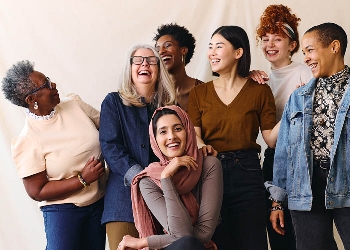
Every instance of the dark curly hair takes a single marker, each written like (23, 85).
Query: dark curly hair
(181, 35)
(16, 84)
(271, 21)
(328, 32)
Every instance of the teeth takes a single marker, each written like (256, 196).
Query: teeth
(215, 60)
(173, 145)
(312, 66)
(144, 72)
(164, 58)
(270, 52)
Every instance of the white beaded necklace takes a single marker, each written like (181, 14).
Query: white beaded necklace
(40, 117)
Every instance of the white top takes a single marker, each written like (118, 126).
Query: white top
(283, 82)
(61, 145)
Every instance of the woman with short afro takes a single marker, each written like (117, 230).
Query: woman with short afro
(176, 45)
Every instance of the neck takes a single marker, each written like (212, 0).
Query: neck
(230, 81)
(146, 91)
(281, 64)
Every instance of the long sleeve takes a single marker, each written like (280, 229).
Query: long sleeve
(170, 212)
(112, 138)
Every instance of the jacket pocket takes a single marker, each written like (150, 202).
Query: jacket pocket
(295, 132)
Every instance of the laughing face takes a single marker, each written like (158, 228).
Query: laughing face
(145, 73)
(277, 49)
(221, 54)
(170, 52)
(318, 57)
(171, 136)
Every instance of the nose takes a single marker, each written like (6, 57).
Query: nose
(171, 135)
(144, 62)
(161, 50)
(306, 58)
(270, 43)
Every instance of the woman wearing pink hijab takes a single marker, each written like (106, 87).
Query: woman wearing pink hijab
(177, 201)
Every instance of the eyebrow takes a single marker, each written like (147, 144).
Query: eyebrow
(163, 43)
(217, 43)
(174, 125)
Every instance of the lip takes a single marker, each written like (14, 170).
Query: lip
(173, 145)
(144, 72)
(166, 59)
(271, 52)
(313, 66)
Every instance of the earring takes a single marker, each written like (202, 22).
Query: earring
(183, 58)
(36, 105)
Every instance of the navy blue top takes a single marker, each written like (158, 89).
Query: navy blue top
(126, 148)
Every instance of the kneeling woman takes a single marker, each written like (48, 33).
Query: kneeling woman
(175, 191)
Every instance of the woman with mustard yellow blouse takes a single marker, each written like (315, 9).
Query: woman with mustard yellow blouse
(227, 114)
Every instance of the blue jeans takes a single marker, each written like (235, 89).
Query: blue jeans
(243, 224)
(70, 227)
(314, 229)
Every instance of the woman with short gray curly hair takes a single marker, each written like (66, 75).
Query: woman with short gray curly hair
(56, 155)
(17, 84)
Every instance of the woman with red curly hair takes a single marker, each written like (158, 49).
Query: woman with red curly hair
(278, 36)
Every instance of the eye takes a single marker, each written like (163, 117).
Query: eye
(157, 48)
(162, 132)
(167, 45)
(178, 128)
(210, 47)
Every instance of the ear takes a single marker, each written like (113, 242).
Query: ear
(335, 45)
(30, 100)
(184, 50)
(292, 45)
(239, 53)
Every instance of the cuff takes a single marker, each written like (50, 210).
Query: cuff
(131, 173)
(276, 193)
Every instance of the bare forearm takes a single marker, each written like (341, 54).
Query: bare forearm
(56, 190)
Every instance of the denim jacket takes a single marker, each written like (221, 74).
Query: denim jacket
(293, 164)
(125, 146)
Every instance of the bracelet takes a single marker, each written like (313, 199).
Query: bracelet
(275, 208)
(82, 181)
(273, 200)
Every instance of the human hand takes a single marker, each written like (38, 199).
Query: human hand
(129, 243)
(301, 84)
(277, 221)
(259, 76)
(93, 170)
(176, 163)
(209, 150)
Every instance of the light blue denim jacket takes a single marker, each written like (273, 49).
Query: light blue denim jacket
(292, 172)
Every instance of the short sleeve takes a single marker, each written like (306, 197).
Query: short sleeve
(28, 156)
(90, 111)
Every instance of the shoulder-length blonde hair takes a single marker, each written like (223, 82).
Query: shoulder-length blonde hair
(164, 89)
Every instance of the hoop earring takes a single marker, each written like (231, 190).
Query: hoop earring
(36, 105)
(183, 58)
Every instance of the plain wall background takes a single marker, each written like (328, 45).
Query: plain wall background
(81, 45)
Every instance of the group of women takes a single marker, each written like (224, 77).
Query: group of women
(183, 164)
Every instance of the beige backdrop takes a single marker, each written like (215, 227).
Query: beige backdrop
(81, 45)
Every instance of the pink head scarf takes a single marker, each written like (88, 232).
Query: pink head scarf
(184, 180)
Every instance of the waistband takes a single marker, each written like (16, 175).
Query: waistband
(239, 154)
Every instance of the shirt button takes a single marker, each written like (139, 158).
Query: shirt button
(331, 203)
(143, 145)
(332, 179)
(222, 156)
